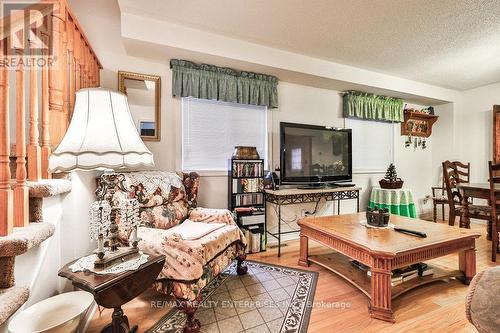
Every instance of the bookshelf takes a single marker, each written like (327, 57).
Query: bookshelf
(246, 200)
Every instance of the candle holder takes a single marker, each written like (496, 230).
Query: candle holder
(108, 217)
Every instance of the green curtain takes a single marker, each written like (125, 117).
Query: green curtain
(223, 84)
(372, 107)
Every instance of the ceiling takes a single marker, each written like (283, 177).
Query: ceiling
(450, 43)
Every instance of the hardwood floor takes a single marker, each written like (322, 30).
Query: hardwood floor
(437, 307)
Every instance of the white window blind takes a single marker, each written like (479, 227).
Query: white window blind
(372, 145)
(211, 130)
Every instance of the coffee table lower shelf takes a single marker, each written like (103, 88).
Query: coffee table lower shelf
(340, 265)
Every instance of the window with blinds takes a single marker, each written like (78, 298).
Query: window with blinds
(372, 145)
(211, 130)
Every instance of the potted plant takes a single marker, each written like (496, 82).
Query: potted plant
(391, 180)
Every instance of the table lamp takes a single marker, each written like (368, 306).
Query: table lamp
(102, 136)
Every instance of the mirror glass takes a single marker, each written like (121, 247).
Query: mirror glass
(143, 99)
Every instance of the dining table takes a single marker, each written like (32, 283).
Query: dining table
(476, 191)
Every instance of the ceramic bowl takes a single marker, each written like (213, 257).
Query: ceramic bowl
(58, 314)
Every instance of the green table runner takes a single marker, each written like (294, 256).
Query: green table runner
(399, 202)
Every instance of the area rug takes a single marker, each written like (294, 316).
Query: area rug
(269, 298)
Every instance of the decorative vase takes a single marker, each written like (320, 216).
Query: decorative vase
(245, 152)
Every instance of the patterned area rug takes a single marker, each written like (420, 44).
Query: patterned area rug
(268, 298)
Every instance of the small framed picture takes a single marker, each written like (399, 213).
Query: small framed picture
(147, 128)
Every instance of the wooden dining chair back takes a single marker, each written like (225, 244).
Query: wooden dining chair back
(439, 197)
(455, 173)
(495, 207)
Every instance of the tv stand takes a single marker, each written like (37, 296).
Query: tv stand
(313, 186)
(292, 196)
(316, 186)
(342, 184)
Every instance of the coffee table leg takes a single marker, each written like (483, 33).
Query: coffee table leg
(304, 249)
(380, 305)
(467, 264)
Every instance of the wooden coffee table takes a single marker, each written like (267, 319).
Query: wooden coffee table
(384, 250)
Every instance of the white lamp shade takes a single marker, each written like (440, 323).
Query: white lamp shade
(101, 135)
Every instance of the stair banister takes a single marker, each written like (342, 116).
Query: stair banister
(6, 194)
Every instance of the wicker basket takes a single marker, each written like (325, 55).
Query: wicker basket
(244, 152)
(388, 184)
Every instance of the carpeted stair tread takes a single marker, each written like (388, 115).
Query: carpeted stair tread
(22, 239)
(49, 187)
(11, 299)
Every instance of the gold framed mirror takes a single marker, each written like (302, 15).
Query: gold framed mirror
(144, 99)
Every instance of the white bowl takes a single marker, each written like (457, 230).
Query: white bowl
(58, 314)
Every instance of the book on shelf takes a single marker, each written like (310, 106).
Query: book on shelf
(256, 236)
(428, 271)
(256, 240)
(248, 168)
(246, 199)
(257, 218)
(359, 265)
(402, 274)
(243, 185)
(248, 210)
(424, 269)
(409, 277)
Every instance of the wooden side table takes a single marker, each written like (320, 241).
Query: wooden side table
(114, 290)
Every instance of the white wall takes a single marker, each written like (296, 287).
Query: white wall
(475, 129)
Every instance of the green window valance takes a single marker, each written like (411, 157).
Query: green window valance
(372, 107)
(223, 84)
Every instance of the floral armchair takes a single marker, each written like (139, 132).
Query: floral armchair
(166, 200)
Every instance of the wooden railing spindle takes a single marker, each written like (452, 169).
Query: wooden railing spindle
(6, 195)
(34, 151)
(21, 209)
(71, 66)
(57, 76)
(46, 149)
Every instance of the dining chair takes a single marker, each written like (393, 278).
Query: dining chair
(455, 173)
(495, 207)
(439, 197)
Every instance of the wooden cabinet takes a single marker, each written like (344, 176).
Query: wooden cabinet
(418, 124)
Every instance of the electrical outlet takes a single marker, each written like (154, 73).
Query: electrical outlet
(426, 198)
(304, 213)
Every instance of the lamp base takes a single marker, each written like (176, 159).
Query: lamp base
(114, 257)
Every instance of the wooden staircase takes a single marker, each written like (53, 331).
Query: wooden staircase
(22, 239)
(49, 44)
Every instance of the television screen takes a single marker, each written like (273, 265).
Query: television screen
(315, 153)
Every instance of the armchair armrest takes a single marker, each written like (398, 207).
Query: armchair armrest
(211, 215)
(482, 305)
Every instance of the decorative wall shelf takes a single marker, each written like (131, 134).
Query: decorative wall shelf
(418, 124)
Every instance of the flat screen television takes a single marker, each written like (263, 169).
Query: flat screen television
(315, 154)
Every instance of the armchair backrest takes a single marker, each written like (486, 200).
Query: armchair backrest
(191, 183)
(165, 198)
